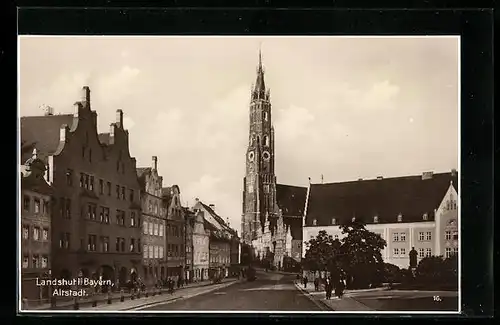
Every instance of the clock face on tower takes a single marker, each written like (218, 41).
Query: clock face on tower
(266, 155)
(251, 156)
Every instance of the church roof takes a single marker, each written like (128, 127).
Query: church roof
(43, 133)
(410, 196)
(291, 199)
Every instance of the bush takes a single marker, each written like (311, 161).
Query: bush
(392, 273)
(435, 271)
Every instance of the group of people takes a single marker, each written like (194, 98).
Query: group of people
(330, 285)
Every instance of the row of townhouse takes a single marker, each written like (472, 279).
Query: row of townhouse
(87, 210)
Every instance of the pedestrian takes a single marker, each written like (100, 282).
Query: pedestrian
(328, 287)
(339, 288)
(305, 282)
(316, 284)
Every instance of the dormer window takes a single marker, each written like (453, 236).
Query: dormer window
(315, 222)
(334, 221)
(425, 217)
(375, 219)
(353, 219)
(400, 217)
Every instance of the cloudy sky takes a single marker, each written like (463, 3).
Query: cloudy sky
(345, 108)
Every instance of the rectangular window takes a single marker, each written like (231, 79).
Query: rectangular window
(428, 236)
(132, 219)
(403, 252)
(421, 236)
(402, 236)
(45, 234)
(25, 262)
(26, 232)
(145, 251)
(120, 217)
(151, 252)
(69, 177)
(455, 235)
(132, 244)
(82, 180)
(106, 215)
(91, 185)
(447, 235)
(117, 244)
(118, 191)
(26, 203)
(101, 186)
(122, 244)
(155, 229)
(35, 264)
(150, 228)
(139, 245)
(161, 252)
(448, 252)
(428, 252)
(455, 250)
(46, 207)
(161, 230)
(155, 251)
(421, 253)
(101, 214)
(36, 233)
(37, 205)
(108, 186)
(91, 243)
(395, 236)
(145, 227)
(123, 193)
(87, 182)
(45, 262)
(131, 195)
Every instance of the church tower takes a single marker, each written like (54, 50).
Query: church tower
(259, 191)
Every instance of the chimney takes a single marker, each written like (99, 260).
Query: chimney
(212, 206)
(155, 163)
(379, 178)
(47, 110)
(427, 175)
(360, 179)
(453, 172)
(197, 199)
(85, 96)
(321, 178)
(227, 221)
(119, 118)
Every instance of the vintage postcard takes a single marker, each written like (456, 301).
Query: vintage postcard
(239, 174)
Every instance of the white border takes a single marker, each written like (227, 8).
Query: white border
(18, 275)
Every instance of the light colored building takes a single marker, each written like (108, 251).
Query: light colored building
(35, 229)
(153, 223)
(95, 229)
(412, 211)
(200, 247)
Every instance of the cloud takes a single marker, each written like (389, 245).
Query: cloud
(294, 122)
(128, 122)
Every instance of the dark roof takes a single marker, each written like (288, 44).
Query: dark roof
(291, 199)
(386, 198)
(218, 218)
(42, 132)
(295, 226)
(209, 226)
(142, 171)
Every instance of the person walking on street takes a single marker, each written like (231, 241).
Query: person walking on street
(339, 288)
(328, 287)
(305, 282)
(316, 284)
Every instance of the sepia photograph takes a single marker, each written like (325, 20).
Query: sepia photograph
(246, 174)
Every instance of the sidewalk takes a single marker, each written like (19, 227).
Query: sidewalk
(102, 299)
(346, 303)
(278, 272)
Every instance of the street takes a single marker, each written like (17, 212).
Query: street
(270, 292)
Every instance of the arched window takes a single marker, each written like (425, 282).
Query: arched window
(425, 217)
(265, 116)
(334, 221)
(375, 219)
(315, 222)
(400, 217)
(266, 141)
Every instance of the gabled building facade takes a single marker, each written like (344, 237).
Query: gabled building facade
(175, 233)
(414, 211)
(190, 218)
(201, 251)
(36, 229)
(153, 223)
(96, 206)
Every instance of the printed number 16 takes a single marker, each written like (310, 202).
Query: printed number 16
(436, 298)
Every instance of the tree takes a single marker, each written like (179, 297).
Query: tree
(437, 271)
(362, 257)
(322, 252)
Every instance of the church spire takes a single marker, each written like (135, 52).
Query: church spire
(260, 86)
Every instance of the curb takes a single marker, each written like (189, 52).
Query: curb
(319, 303)
(168, 301)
